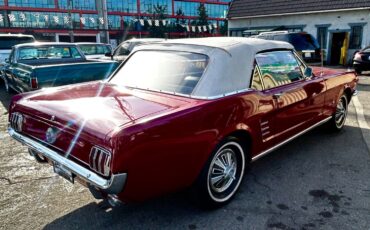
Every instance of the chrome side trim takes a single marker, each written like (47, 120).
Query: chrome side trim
(113, 185)
(289, 139)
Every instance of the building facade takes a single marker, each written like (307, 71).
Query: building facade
(341, 27)
(55, 20)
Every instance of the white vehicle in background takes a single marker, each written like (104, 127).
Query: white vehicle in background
(7, 41)
(95, 50)
(124, 49)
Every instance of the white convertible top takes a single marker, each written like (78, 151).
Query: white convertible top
(231, 61)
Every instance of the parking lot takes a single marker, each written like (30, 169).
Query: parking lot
(318, 181)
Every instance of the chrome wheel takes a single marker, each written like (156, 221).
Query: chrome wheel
(225, 172)
(341, 112)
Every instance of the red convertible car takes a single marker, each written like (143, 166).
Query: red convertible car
(188, 112)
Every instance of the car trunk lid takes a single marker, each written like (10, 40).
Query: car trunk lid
(85, 115)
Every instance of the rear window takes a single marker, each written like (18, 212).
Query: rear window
(170, 71)
(95, 49)
(53, 52)
(9, 42)
(303, 42)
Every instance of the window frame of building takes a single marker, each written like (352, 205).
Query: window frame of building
(323, 31)
(356, 28)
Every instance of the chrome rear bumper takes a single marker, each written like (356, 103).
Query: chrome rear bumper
(113, 185)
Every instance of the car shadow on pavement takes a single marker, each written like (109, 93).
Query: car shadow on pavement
(316, 181)
(5, 97)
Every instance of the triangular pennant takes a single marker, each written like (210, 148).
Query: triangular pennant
(11, 17)
(83, 20)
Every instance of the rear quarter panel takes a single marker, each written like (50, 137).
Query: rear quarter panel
(167, 153)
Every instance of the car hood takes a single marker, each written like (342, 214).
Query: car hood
(97, 107)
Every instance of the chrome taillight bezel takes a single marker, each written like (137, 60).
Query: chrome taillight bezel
(16, 121)
(100, 160)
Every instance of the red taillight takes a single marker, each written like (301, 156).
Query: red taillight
(357, 56)
(34, 84)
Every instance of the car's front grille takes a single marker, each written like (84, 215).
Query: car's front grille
(16, 121)
(100, 160)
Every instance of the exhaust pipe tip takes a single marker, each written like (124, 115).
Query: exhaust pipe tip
(114, 201)
(39, 158)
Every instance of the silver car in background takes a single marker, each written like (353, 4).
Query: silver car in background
(94, 50)
(124, 49)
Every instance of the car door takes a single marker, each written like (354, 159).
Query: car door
(298, 99)
(264, 111)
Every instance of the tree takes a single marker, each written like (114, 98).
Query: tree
(202, 15)
(180, 21)
(223, 28)
(159, 13)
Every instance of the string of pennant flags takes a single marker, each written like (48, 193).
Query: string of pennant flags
(93, 20)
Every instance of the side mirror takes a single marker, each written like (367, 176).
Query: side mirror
(6, 60)
(108, 54)
(308, 72)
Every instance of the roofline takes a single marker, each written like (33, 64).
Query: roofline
(191, 44)
(17, 35)
(295, 13)
(33, 44)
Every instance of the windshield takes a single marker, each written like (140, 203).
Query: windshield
(170, 71)
(51, 52)
(123, 49)
(95, 49)
(303, 42)
(9, 42)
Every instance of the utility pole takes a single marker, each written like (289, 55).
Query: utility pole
(101, 6)
(71, 35)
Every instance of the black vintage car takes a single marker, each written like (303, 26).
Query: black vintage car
(361, 60)
(304, 43)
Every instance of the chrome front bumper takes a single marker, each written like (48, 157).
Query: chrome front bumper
(114, 185)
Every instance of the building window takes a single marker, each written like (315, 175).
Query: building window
(114, 22)
(322, 35)
(128, 6)
(26, 19)
(147, 6)
(216, 11)
(32, 3)
(1, 2)
(189, 8)
(356, 37)
(77, 4)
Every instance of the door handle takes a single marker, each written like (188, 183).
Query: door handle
(277, 95)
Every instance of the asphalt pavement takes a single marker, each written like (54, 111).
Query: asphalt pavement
(318, 181)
